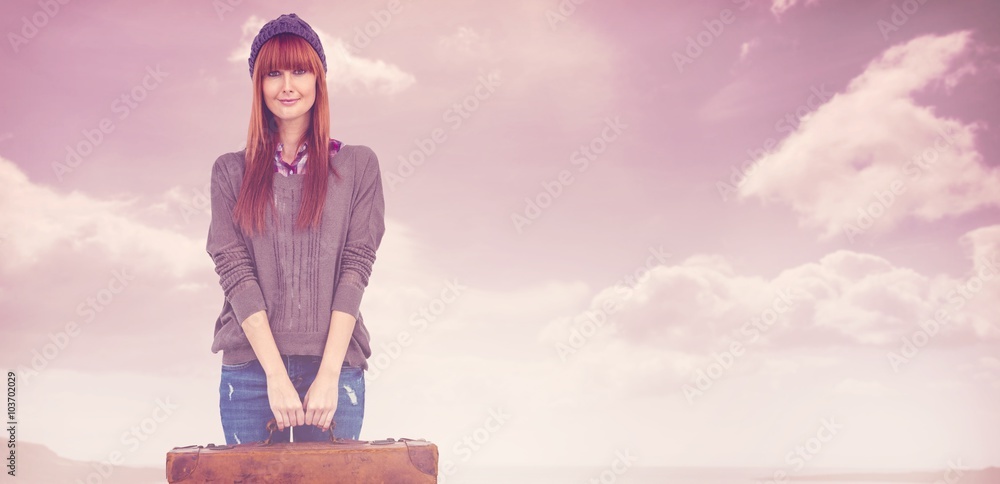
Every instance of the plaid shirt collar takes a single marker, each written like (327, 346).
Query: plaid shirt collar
(293, 168)
(297, 166)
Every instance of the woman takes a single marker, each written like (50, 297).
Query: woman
(296, 220)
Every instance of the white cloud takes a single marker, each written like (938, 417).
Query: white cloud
(982, 243)
(844, 299)
(746, 47)
(466, 41)
(683, 318)
(345, 70)
(871, 157)
(779, 7)
(249, 29)
(46, 219)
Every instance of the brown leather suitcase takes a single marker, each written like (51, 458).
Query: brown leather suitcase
(388, 461)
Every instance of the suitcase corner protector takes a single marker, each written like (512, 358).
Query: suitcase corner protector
(180, 465)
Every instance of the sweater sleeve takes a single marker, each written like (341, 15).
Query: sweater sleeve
(364, 235)
(226, 246)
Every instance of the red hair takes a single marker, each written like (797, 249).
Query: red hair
(281, 52)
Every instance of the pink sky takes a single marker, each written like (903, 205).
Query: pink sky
(875, 208)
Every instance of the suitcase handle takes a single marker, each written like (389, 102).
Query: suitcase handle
(272, 427)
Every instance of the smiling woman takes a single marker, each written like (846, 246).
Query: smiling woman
(287, 67)
(293, 244)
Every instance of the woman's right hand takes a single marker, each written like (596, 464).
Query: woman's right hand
(285, 402)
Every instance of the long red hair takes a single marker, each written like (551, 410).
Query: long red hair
(284, 51)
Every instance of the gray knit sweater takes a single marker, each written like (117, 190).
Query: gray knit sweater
(299, 279)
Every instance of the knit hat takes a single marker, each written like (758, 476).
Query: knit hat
(287, 23)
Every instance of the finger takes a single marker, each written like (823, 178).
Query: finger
(327, 418)
(279, 420)
(289, 411)
(300, 416)
(311, 415)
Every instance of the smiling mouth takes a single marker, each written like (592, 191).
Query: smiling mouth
(287, 101)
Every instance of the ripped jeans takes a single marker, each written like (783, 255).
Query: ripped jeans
(245, 409)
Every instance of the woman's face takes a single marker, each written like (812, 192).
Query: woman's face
(296, 85)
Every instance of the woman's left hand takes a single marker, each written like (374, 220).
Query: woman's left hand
(321, 400)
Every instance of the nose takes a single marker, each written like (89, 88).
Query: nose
(286, 85)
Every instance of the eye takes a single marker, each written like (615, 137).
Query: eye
(273, 73)
(300, 71)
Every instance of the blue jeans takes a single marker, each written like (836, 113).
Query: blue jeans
(245, 408)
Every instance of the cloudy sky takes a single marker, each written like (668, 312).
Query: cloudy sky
(707, 233)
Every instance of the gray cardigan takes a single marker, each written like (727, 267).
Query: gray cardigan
(299, 279)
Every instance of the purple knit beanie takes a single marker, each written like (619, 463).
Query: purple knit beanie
(287, 23)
